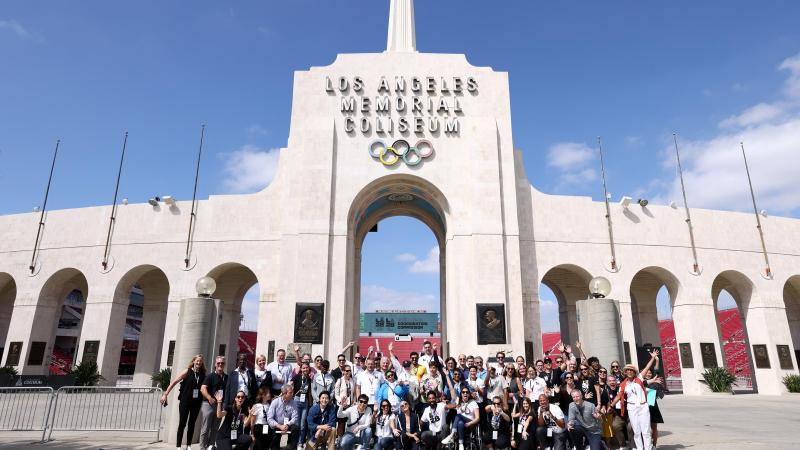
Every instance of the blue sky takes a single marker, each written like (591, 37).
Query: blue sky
(634, 72)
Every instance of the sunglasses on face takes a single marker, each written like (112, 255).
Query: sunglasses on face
(567, 378)
(615, 367)
(603, 371)
(239, 396)
(385, 406)
(341, 360)
(364, 402)
(558, 361)
(497, 404)
(347, 371)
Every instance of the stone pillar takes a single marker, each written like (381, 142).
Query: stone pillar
(198, 329)
(695, 322)
(599, 328)
(151, 338)
(106, 314)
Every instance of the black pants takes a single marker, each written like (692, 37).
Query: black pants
(188, 410)
(262, 441)
(242, 442)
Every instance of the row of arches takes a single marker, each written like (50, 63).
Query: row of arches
(653, 292)
(136, 346)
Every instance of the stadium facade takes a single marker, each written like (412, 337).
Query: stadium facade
(400, 133)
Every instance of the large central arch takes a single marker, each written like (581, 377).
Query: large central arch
(390, 196)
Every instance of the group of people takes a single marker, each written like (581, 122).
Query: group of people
(381, 403)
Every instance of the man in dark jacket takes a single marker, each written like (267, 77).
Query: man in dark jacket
(242, 378)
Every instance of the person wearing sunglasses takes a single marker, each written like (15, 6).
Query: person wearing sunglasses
(497, 435)
(633, 396)
(616, 372)
(467, 418)
(259, 428)
(523, 418)
(563, 393)
(613, 425)
(322, 422)
(213, 383)
(514, 385)
(407, 430)
(550, 421)
(358, 424)
(587, 383)
(189, 400)
(385, 426)
(546, 372)
(392, 390)
(284, 418)
(232, 433)
(434, 418)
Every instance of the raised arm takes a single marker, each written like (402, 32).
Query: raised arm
(580, 349)
(347, 347)
(653, 359)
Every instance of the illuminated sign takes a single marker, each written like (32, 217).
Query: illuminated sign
(400, 323)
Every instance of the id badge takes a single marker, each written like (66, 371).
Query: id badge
(549, 432)
(286, 421)
(265, 429)
(519, 428)
(234, 434)
(618, 405)
(494, 435)
(195, 393)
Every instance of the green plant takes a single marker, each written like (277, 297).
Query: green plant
(719, 379)
(9, 370)
(162, 378)
(86, 374)
(792, 383)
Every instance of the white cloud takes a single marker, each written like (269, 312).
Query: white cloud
(21, 32)
(428, 265)
(714, 170)
(405, 257)
(572, 160)
(374, 298)
(249, 169)
(256, 130)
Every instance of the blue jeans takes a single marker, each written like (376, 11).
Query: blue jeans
(578, 434)
(349, 440)
(384, 443)
(302, 413)
(460, 425)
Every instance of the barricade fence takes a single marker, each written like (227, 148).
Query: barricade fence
(79, 408)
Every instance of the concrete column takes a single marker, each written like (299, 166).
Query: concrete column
(151, 338)
(106, 315)
(197, 328)
(599, 329)
(695, 321)
(767, 326)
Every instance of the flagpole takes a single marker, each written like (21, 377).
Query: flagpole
(755, 211)
(193, 213)
(696, 265)
(113, 218)
(608, 208)
(32, 267)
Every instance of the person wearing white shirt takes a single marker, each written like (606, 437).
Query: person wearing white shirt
(358, 424)
(384, 427)
(367, 382)
(258, 419)
(281, 372)
(633, 394)
(534, 385)
(550, 418)
(467, 417)
(427, 354)
(435, 415)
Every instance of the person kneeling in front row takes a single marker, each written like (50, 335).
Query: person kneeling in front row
(322, 423)
(232, 434)
(283, 418)
(550, 432)
(358, 425)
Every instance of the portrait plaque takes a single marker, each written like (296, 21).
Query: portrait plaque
(491, 319)
(785, 357)
(36, 356)
(709, 355)
(14, 352)
(308, 323)
(761, 356)
(90, 351)
(687, 362)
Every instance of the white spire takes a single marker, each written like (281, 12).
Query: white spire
(402, 35)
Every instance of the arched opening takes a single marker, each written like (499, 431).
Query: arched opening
(731, 292)
(653, 292)
(567, 283)
(248, 323)
(144, 292)
(8, 293)
(59, 312)
(399, 205)
(400, 267)
(791, 299)
(234, 280)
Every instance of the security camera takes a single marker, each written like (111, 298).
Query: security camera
(625, 201)
(153, 202)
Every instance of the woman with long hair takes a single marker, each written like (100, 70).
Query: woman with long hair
(259, 429)
(514, 385)
(232, 431)
(522, 437)
(657, 383)
(407, 430)
(384, 427)
(497, 425)
(467, 417)
(189, 398)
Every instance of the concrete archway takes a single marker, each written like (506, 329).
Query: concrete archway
(735, 348)
(59, 310)
(569, 283)
(791, 299)
(8, 294)
(644, 291)
(233, 281)
(390, 196)
(135, 349)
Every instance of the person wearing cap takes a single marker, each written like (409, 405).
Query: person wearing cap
(633, 396)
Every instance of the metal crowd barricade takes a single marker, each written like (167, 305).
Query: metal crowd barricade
(129, 409)
(25, 408)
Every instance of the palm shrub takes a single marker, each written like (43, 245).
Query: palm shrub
(86, 374)
(719, 379)
(162, 378)
(792, 383)
(9, 370)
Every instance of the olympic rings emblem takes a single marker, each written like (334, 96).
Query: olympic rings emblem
(401, 150)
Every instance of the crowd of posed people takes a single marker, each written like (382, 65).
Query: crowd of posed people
(426, 401)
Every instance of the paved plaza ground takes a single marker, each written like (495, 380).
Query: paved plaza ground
(707, 422)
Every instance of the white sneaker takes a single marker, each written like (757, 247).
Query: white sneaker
(449, 438)
(460, 446)
(357, 447)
